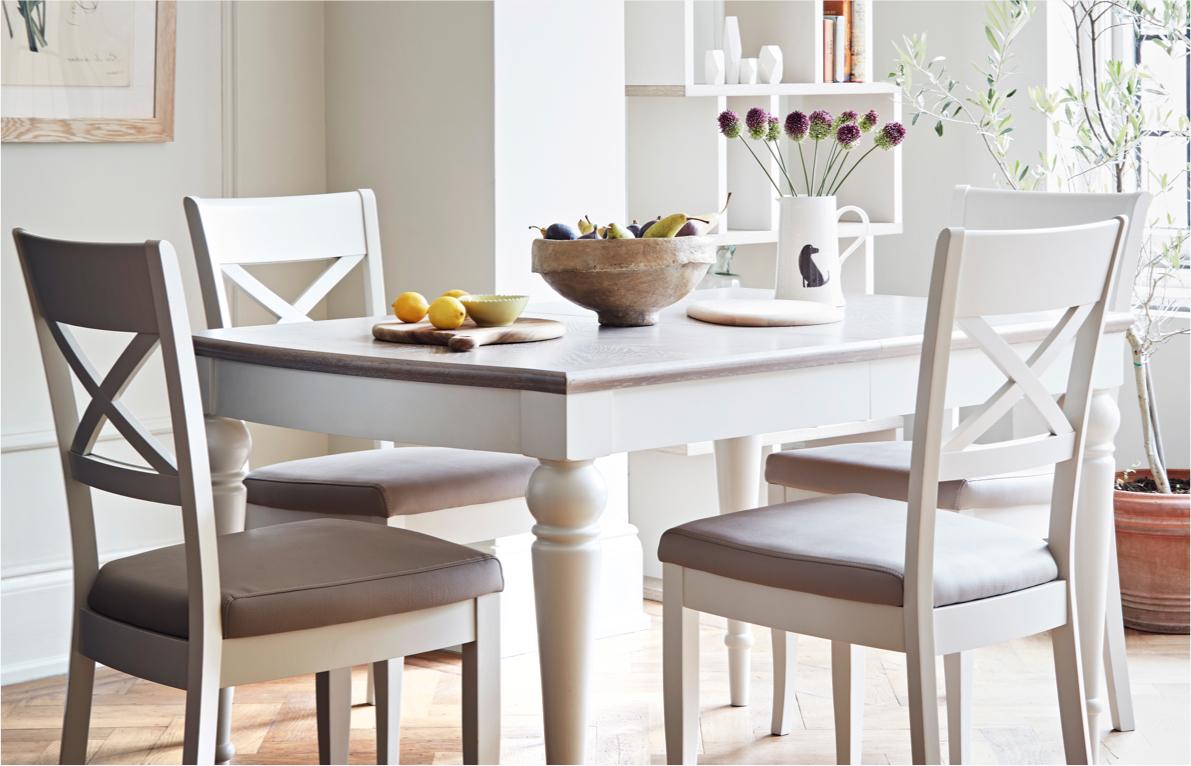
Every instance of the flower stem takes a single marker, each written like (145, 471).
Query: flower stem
(831, 158)
(814, 165)
(845, 178)
(843, 161)
(777, 155)
(762, 164)
(802, 159)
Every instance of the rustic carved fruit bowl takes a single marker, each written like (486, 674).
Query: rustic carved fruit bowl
(626, 281)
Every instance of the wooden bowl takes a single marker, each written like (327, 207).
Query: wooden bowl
(626, 281)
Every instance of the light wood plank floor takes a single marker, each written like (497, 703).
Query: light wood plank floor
(1016, 714)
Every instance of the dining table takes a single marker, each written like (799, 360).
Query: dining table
(599, 391)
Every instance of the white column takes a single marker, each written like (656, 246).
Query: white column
(228, 445)
(566, 499)
(738, 476)
(1093, 532)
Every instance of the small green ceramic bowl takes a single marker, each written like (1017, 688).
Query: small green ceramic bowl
(494, 310)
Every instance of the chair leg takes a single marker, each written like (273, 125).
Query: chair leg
(957, 673)
(1116, 663)
(847, 691)
(1073, 711)
(923, 688)
(680, 670)
(76, 722)
(785, 654)
(481, 685)
(201, 729)
(333, 700)
(387, 675)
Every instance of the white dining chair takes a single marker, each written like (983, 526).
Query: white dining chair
(1023, 499)
(314, 596)
(861, 570)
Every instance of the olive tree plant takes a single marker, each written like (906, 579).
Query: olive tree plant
(1099, 121)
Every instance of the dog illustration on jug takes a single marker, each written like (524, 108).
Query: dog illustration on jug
(811, 276)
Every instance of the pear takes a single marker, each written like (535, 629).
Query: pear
(669, 226)
(645, 226)
(695, 227)
(616, 231)
(585, 225)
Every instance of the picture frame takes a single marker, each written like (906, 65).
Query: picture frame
(155, 126)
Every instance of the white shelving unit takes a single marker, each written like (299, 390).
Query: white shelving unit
(678, 161)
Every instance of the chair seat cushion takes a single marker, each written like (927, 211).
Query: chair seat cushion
(306, 574)
(853, 547)
(882, 469)
(391, 482)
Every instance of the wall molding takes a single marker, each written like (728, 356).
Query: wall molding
(22, 441)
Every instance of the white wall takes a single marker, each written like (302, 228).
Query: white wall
(133, 192)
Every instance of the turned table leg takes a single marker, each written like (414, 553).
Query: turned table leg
(738, 477)
(228, 445)
(566, 499)
(1093, 530)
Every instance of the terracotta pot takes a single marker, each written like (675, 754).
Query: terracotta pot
(1152, 547)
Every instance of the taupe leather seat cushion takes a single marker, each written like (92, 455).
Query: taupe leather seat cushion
(882, 469)
(853, 547)
(301, 575)
(391, 482)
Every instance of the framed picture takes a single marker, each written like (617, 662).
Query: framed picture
(87, 70)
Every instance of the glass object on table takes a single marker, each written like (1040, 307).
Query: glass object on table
(721, 275)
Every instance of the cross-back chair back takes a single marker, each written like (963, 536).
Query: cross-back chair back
(229, 234)
(124, 288)
(978, 275)
(976, 208)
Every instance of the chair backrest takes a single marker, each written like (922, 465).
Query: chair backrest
(1069, 273)
(229, 234)
(124, 288)
(975, 208)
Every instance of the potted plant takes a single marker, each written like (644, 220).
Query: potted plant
(1101, 120)
(808, 262)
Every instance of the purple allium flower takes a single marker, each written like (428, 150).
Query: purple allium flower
(845, 118)
(729, 123)
(847, 134)
(869, 120)
(774, 131)
(757, 121)
(820, 125)
(891, 135)
(797, 124)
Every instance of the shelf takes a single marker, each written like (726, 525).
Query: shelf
(769, 236)
(778, 89)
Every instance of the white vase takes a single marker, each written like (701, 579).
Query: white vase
(808, 255)
(713, 67)
(732, 50)
(769, 65)
(748, 72)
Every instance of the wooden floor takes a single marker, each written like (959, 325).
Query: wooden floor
(1016, 713)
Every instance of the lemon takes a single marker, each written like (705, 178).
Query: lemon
(457, 293)
(447, 313)
(410, 307)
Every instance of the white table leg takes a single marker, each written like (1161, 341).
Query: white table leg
(228, 445)
(1093, 532)
(566, 499)
(738, 477)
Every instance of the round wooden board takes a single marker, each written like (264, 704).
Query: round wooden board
(764, 313)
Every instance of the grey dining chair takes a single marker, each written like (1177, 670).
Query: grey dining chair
(896, 574)
(313, 596)
(1021, 499)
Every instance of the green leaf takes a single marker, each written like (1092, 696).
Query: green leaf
(939, 128)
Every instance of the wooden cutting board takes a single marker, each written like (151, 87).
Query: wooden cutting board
(469, 336)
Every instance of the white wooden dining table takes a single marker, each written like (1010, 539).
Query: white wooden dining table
(602, 391)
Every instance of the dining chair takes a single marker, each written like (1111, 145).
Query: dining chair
(1022, 499)
(314, 596)
(861, 570)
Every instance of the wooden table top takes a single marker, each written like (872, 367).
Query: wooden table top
(591, 358)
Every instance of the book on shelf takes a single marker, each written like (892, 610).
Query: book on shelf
(850, 20)
(829, 38)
